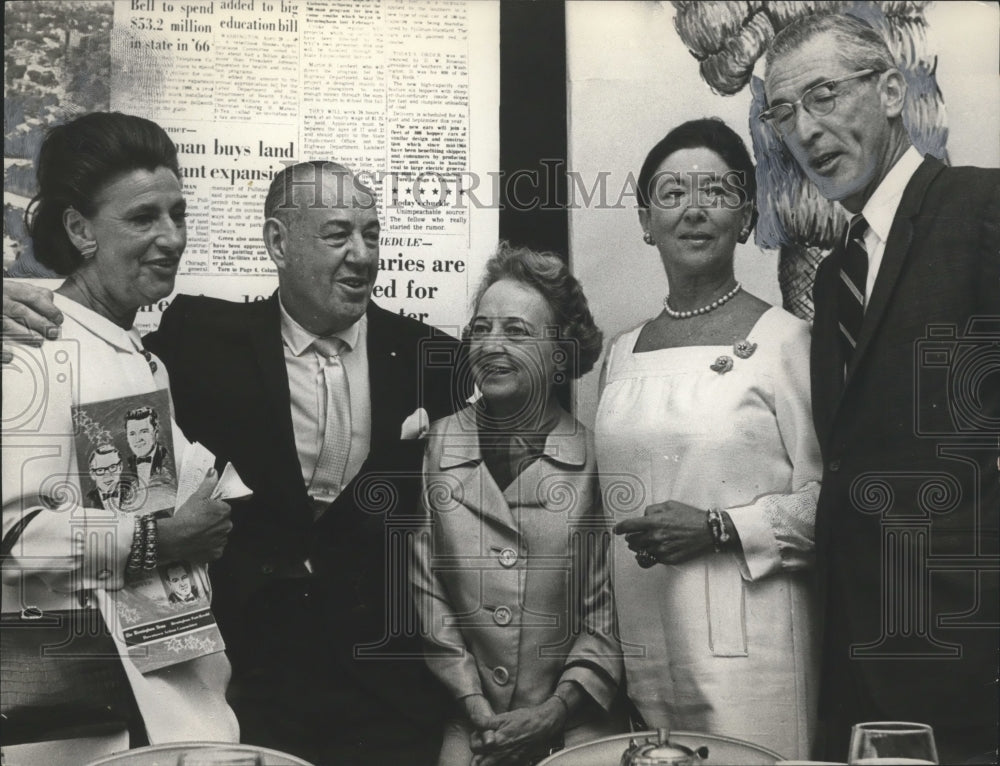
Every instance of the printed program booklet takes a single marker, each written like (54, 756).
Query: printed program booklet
(125, 455)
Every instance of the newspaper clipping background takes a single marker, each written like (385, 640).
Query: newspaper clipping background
(405, 94)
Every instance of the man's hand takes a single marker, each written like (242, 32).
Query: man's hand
(198, 530)
(29, 315)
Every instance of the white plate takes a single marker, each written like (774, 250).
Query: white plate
(169, 755)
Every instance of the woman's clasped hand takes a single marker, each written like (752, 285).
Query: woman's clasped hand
(517, 736)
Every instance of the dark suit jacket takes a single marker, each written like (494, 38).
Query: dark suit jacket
(161, 462)
(909, 442)
(230, 389)
(94, 499)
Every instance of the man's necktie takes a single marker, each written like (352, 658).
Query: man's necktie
(851, 295)
(328, 476)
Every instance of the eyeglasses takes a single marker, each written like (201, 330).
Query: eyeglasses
(510, 328)
(113, 468)
(819, 100)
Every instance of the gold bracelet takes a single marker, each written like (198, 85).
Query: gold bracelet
(150, 543)
(135, 556)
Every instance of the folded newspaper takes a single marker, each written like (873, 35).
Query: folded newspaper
(128, 460)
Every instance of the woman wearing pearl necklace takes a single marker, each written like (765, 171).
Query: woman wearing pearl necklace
(705, 413)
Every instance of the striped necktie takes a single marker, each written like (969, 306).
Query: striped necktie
(328, 476)
(851, 295)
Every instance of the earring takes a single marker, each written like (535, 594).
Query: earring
(89, 250)
(744, 236)
(647, 238)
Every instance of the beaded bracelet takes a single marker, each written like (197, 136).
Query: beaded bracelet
(149, 542)
(720, 537)
(135, 554)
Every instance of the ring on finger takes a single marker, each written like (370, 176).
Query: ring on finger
(645, 559)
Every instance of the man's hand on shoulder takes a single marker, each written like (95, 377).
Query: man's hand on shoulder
(29, 315)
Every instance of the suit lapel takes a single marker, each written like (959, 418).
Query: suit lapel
(826, 354)
(381, 353)
(896, 249)
(387, 378)
(479, 493)
(465, 474)
(264, 336)
(264, 332)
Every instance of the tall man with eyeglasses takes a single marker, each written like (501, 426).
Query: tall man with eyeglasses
(905, 404)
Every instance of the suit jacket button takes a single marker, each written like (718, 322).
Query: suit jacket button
(502, 615)
(501, 676)
(833, 466)
(267, 569)
(508, 557)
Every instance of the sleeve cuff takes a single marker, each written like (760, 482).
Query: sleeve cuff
(760, 555)
(600, 688)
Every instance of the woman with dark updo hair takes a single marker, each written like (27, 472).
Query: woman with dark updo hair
(704, 416)
(109, 216)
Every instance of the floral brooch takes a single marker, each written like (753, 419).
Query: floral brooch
(742, 348)
(722, 365)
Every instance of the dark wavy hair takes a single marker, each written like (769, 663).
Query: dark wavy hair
(142, 413)
(548, 274)
(705, 133)
(76, 161)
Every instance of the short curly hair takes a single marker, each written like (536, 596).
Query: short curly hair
(547, 273)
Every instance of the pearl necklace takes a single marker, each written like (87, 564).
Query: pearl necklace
(704, 309)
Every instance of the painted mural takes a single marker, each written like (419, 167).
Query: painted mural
(728, 39)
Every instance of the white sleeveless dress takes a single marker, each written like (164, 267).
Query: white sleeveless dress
(725, 643)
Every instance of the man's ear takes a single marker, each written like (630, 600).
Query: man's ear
(79, 230)
(276, 241)
(893, 92)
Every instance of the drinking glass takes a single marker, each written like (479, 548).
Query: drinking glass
(892, 742)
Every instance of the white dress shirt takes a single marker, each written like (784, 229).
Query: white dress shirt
(880, 211)
(307, 390)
